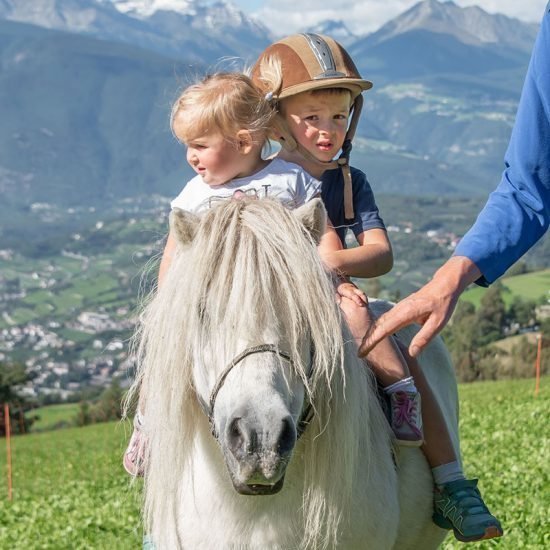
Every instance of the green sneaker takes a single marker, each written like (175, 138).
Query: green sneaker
(459, 506)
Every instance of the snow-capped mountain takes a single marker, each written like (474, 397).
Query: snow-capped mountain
(437, 120)
(79, 16)
(210, 14)
(336, 29)
(185, 29)
(146, 8)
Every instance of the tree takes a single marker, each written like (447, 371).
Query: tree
(491, 316)
(462, 338)
(12, 376)
(521, 312)
(107, 407)
(83, 417)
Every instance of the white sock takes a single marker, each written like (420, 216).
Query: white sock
(447, 472)
(405, 384)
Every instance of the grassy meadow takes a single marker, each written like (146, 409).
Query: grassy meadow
(530, 286)
(51, 416)
(70, 491)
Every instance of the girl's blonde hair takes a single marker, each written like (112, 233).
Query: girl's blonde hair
(221, 103)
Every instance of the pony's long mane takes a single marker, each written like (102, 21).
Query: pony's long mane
(252, 262)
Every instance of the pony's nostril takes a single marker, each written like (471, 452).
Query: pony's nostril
(287, 436)
(235, 435)
(234, 429)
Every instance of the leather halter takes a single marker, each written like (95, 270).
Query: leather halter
(307, 413)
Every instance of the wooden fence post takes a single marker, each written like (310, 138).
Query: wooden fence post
(8, 446)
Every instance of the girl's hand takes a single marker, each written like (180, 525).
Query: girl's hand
(349, 290)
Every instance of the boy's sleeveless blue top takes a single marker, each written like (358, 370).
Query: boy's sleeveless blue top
(365, 209)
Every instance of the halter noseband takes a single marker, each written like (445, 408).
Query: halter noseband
(307, 413)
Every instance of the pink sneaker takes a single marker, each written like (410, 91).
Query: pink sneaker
(134, 457)
(406, 418)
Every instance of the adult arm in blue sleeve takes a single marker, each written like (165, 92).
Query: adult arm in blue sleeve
(517, 213)
(515, 217)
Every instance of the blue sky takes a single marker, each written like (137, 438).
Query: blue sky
(363, 16)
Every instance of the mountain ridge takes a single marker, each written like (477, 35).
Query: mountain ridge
(336, 29)
(202, 34)
(84, 132)
(470, 25)
(87, 119)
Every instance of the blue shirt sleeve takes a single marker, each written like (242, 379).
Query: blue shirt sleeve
(517, 213)
(365, 209)
(367, 215)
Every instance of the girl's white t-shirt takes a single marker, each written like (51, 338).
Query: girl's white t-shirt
(280, 179)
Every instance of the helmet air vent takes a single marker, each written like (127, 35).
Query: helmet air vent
(324, 56)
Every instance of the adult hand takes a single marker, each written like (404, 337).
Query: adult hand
(431, 307)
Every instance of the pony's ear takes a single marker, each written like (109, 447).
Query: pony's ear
(184, 224)
(314, 217)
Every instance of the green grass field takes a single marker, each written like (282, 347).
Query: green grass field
(70, 490)
(50, 416)
(529, 286)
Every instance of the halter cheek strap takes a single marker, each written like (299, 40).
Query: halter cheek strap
(264, 348)
(307, 412)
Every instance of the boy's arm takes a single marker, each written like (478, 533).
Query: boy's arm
(330, 244)
(372, 258)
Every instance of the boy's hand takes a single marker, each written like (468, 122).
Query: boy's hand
(349, 290)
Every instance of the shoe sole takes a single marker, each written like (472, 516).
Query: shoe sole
(492, 532)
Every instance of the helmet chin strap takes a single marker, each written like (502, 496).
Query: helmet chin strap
(290, 144)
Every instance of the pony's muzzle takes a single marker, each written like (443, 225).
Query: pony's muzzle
(259, 451)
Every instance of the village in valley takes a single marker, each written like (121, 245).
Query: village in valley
(68, 315)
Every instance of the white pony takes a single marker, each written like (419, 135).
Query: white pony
(253, 387)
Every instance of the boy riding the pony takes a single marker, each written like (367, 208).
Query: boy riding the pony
(317, 89)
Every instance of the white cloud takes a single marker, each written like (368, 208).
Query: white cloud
(365, 16)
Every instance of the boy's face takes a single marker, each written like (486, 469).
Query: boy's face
(215, 159)
(318, 121)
